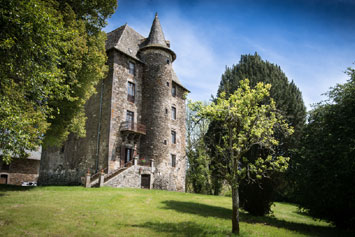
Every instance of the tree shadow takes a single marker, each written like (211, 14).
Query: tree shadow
(225, 213)
(10, 188)
(186, 228)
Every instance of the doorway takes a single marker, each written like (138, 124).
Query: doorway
(3, 178)
(145, 181)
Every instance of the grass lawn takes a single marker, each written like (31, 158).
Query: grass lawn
(76, 211)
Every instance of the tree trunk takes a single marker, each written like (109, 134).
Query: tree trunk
(235, 210)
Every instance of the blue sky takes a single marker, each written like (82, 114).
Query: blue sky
(313, 41)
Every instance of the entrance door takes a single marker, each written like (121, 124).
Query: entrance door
(3, 179)
(145, 181)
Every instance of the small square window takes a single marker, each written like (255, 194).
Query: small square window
(131, 68)
(165, 142)
(173, 160)
(173, 112)
(173, 90)
(167, 83)
(173, 137)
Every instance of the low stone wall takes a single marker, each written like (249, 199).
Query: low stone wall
(19, 171)
(19, 178)
(131, 177)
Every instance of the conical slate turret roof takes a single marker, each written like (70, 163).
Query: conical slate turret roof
(156, 35)
(156, 39)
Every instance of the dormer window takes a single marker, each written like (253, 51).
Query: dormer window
(131, 68)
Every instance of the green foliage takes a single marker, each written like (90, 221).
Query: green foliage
(289, 103)
(256, 197)
(326, 168)
(198, 175)
(53, 55)
(246, 121)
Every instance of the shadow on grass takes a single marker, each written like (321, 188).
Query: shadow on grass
(186, 228)
(225, 213)
(9, 188)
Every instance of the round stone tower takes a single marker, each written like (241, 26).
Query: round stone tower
(156, 104)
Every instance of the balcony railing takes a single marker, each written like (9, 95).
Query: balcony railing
(128, 126)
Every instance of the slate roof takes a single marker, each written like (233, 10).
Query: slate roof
(126, 40)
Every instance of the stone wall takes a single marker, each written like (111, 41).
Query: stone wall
(131, 177)
(120, 105)
(20, 170)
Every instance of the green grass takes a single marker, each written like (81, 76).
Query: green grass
(76, 211)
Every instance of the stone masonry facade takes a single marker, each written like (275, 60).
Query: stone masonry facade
(137, 114)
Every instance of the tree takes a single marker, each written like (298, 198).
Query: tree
(247, 121)
(326, 169)
(198, 173)
(289, 103)
(53, 55)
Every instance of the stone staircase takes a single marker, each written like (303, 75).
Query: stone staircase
(95, 182)
(128, 176)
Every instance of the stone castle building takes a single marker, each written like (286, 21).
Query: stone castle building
(136, 121)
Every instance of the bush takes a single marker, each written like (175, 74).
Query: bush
(256, 198)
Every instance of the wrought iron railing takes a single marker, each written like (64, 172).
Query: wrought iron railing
(133, 127)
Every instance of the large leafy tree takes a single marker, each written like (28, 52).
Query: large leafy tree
(289, 103)
(326, 170)
(248, 118)
(52, 56)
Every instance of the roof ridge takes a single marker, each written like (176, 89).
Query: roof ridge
(123, 30)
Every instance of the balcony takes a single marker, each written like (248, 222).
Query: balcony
(131, 127)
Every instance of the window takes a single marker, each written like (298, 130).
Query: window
(130, 118)
(131, 91)
(131, 68)
(165, 142)
(173, 90)
(173, 160)
(173, 112)
(167, 84)
(166, 111)
(173, 137)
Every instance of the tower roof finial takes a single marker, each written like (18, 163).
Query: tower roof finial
(156, 35)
